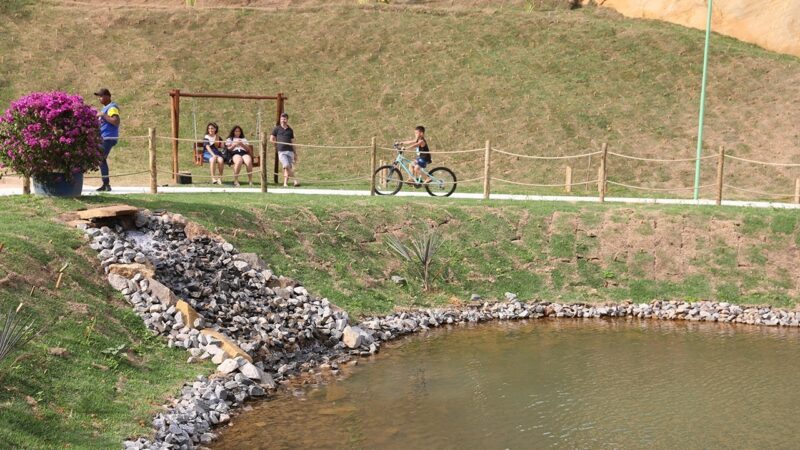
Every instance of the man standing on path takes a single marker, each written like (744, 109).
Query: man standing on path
(283, 136)
(109, 131)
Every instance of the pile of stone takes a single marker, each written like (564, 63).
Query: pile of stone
(261, 330)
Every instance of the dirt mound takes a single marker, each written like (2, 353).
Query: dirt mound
(772, 24)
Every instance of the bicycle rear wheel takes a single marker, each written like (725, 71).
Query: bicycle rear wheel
(443, 182)
(388, 180)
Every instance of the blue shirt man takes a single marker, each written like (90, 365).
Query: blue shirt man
(109, 131)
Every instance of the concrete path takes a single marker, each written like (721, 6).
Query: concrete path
(6, 191)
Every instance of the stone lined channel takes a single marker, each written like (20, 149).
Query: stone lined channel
(264, 331)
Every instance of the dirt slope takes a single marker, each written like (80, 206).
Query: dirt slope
(772, 24)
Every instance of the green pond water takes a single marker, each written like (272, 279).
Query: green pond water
(549, 383)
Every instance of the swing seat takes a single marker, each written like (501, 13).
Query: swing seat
(200, 156)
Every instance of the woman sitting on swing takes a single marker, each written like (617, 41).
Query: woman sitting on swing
(212, 151)
(238, 153)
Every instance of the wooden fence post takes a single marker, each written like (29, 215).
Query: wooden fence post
(151, 149)
(797, 190)
(487, 164)
(603, 173)
(262, 150)
(372, 166)
(720, 174)
(568, 179)
(26, 185)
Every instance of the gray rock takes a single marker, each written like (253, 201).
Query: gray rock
(241, 265)
(251, 371)
(228, 366)
(353, 337)
(118, 282)
(267, 381)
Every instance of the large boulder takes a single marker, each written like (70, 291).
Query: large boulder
(355, 337)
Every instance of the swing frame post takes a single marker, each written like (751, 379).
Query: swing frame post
(175, 102)
(175, 115)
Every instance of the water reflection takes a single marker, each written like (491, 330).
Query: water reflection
(550, 383)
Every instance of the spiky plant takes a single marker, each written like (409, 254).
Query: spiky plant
(17, 330)
(420, 254)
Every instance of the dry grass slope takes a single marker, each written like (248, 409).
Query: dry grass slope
(538, 80)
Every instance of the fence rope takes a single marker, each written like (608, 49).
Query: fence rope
(119, 138)
(437, 152)
(643, 188)
(497, 150)
(661, 160)
(768, 194)
(118, 175)
(541, 185)
(254, 143)
(752, 161)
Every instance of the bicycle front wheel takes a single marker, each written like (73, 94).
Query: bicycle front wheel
(388, 180)
(443, 182)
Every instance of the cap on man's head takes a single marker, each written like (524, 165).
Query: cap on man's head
(103, 92)
(284, 115)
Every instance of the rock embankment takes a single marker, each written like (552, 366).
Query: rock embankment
(262, 330)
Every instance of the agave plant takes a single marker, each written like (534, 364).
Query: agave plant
(17, 330)
(420, 254)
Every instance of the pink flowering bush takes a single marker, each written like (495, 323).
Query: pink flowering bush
(50, 132)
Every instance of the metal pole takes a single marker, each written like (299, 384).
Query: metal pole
(702, 105)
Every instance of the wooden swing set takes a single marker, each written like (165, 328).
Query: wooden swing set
(175, 109)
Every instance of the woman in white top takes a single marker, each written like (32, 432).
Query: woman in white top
(239, 150)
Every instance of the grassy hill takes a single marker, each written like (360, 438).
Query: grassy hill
(532, 78)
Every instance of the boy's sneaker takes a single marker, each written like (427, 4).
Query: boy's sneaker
(104, 188)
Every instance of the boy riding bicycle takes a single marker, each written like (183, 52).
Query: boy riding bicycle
(423, 154)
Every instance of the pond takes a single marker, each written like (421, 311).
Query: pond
(549, 383)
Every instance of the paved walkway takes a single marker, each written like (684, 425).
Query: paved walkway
(5, 191)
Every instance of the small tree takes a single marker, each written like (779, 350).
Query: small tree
(420, 254)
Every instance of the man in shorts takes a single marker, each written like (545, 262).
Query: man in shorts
(283, 136)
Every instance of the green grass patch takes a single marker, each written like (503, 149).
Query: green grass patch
(335, 247)
(90, 398)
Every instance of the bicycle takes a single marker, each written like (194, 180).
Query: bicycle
(389, 180)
